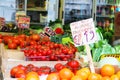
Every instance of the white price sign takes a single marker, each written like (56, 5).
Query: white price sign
(83, 32)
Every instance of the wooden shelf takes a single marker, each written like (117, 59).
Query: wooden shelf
(36, 9)
(107, 16)
(107, 4)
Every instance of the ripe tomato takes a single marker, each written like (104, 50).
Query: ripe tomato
(22, 67)
(35, 37)
(20, 75)
(23, 44)
(1, 40)
(59, 31)
(59, 66)
(32, 42)
(14, 70)
(16, 41)
(23, 36)
(44, 70)
(73, 64)
(12, 45)
(7, 39)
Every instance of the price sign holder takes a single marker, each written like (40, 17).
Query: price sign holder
(90, 62)
(23, 23)
(83, 33)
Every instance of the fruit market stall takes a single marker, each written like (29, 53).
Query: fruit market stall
(53, 48)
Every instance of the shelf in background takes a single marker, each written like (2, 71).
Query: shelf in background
(38, 23)
(109, 16)
(78, 3)
(36, 9)
(102, 4)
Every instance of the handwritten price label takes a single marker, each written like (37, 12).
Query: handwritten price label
(83, 32)
(2, 21)
(23, 22)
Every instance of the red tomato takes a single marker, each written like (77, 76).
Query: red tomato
(32, 42)
(23, 36)
(59, 66)
(16, 41)
(14, 70)
(35, 37)
(20, 75)
(35, 69)
(23, 44)
(59, 31)
(44, 70)
(22, 67)
(73, 64)
(12, 45)
(7, 39)
(1, 40)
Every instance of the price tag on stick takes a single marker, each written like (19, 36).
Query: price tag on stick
(83, 33)
(2, 21)
(90, 62)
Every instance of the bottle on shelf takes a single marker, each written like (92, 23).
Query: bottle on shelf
(103, 11)
(111, 25)
(112, 10)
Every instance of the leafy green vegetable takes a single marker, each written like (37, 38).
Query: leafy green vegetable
(117, 48)
(100, 48)
(66, 40)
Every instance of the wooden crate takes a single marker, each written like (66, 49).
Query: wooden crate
(10, 64)
(11, 58)
(11, 54)
(7, 33)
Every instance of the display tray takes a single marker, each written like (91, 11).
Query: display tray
(50, 58)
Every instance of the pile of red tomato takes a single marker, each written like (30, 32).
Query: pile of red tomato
(13, 42)
(49, 51)
(20, 71)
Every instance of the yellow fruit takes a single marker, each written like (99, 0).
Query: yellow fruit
(32, 76)
(93, 76)
(53, 76)
(114, 77)
(76, 78)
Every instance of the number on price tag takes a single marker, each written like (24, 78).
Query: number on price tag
(83, 32)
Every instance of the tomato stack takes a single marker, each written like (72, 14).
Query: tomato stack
(49, 51)
(20, 70)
